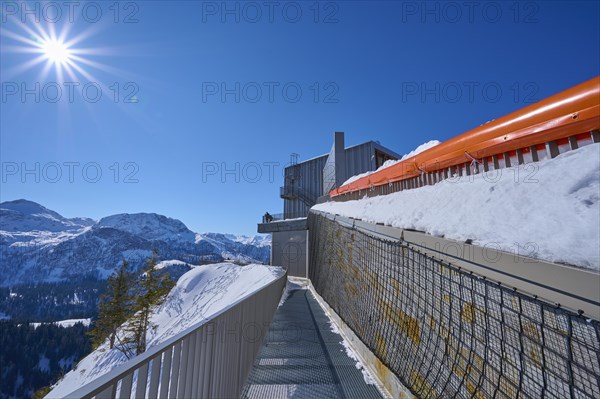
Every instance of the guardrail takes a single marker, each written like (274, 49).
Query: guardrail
(277, 217)
(556, 124)
(211, 359)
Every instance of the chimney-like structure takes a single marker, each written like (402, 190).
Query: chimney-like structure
(334, 172)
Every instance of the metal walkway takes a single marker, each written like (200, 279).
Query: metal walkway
(302, 358)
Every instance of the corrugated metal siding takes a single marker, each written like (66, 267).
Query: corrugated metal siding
(308, 179)
(308, 175)
(359, 159)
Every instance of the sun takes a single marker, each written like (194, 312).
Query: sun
(56, 51)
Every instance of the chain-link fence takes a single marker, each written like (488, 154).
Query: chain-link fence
(446, 332)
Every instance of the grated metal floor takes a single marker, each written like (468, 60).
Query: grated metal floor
(302, 358)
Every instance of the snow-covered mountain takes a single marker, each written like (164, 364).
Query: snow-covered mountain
(27, 216)
(39, 245)
(150, 226)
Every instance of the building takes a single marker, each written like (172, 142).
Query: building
(305, 182)
(309, 182)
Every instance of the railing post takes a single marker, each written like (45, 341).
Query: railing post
(126, 385)
(175, 374)
(166, 374)
(189, 377)
(109, 393)
(142, 380)
(154, 377)
(216, 356)
(185, 350)
(197, 365)
(207, 361)
(552, 149)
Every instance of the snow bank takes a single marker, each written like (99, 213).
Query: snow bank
(548, 210)
(388, 163)
(199, 293)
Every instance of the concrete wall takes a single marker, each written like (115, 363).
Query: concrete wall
(289, 249)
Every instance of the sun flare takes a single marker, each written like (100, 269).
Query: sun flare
(56, 51)
(54, 54)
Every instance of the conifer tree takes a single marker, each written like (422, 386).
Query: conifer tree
(115, 307)
(153, 288)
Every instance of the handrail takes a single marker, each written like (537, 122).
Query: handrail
(179, 372)
(278, 217)
(298, 192)
(571, 112)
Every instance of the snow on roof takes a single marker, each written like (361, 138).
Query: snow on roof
(390, 162)
(548, 210)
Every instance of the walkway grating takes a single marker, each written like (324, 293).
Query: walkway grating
(302, 358)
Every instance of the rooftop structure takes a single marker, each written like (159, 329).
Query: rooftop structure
(306, 181)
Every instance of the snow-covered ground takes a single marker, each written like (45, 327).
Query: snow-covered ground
(387, 164)
(65, 323)
(548, 210)
(199, 293)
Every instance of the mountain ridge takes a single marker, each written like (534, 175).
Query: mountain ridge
(40, 245)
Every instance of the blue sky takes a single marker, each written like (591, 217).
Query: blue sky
(395, 72)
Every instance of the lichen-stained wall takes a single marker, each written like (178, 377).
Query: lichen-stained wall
(446, 332)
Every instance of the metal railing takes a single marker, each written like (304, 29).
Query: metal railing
(291, 191)
(211, 359)
(277, 217)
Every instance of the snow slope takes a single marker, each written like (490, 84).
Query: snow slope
(387, 164)
(548, 210)
(200, 293)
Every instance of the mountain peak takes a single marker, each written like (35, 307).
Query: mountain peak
(151, 226)
(25, 215)
(37, 244)
(27, 207)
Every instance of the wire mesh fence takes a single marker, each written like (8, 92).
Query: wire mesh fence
(445, 332)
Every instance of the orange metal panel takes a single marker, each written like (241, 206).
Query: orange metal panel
(571, 112)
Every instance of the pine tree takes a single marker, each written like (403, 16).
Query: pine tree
(115, 307)
(153, 288)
